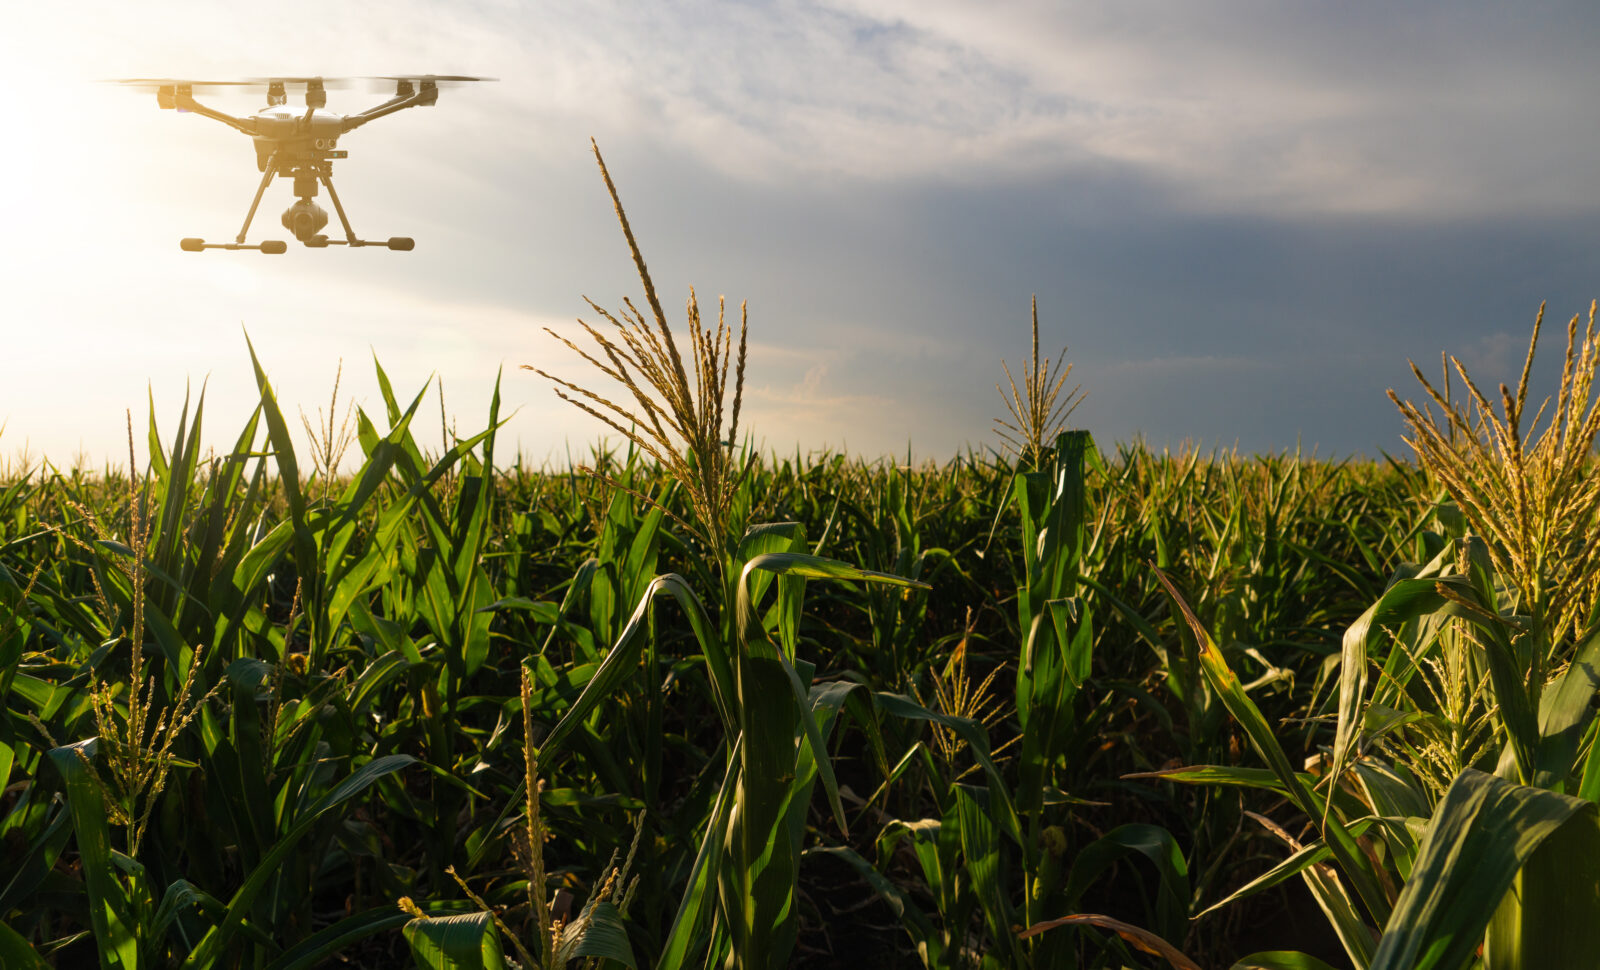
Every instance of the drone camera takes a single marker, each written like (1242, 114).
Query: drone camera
(305, 219)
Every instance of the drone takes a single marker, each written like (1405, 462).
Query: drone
(301, 145)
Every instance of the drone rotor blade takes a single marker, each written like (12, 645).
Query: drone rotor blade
(327, 82)
(439, 79)
(156, 83)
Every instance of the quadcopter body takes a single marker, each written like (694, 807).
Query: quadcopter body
(300, 145)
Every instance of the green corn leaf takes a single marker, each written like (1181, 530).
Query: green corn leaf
(624, 657)
(17, 953)
(787, 564)
(598, 933)
(31, 867)
(467, 942)
(1484, 831)
(980, 847)
(1355, 864)
(1171, 903)
(115, 933)
(379, 672)
(1565, 713)
(244, 763)
(689, 924)
(1357, 938)
(1264, 779)
(759, 884)
(305, 545)
(760, 540)
(219, 937)
(257, 563)
(1589, 783)
(392, 405)
(382, 455)
(1404, 601)
(1551, 916)
(1293, 866)
(925, 835)
(977, 738)
(1055, 660)
(1232, 775)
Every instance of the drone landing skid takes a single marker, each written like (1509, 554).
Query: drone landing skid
(272, 247)
(277, 247)
(400, 244)
(304, 218)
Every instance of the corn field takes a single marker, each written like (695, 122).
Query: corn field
(689, 705)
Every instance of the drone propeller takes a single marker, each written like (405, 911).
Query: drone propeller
(156, 83)
(436, 78)
(406, 85)
(167, 89)
(327, 82)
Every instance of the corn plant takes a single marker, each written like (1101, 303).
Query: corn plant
(1480, 866)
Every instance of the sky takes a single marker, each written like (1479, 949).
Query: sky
(1241, 219)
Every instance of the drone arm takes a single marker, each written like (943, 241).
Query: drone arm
(185, 101)
(428, 95)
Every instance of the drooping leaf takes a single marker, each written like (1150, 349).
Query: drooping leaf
(599, 933)
(467, 942)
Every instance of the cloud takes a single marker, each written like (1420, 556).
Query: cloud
(1351, 108)
(1200, 364)
(1492, 358)
(1348, 108)
(1218, 207)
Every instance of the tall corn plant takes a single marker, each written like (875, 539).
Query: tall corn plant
(678, 423)
(1054, 612)
(1038, 412)
(773, 716)
(1506, 608)
(1524, 587)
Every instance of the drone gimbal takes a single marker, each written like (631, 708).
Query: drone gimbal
(301, 146)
